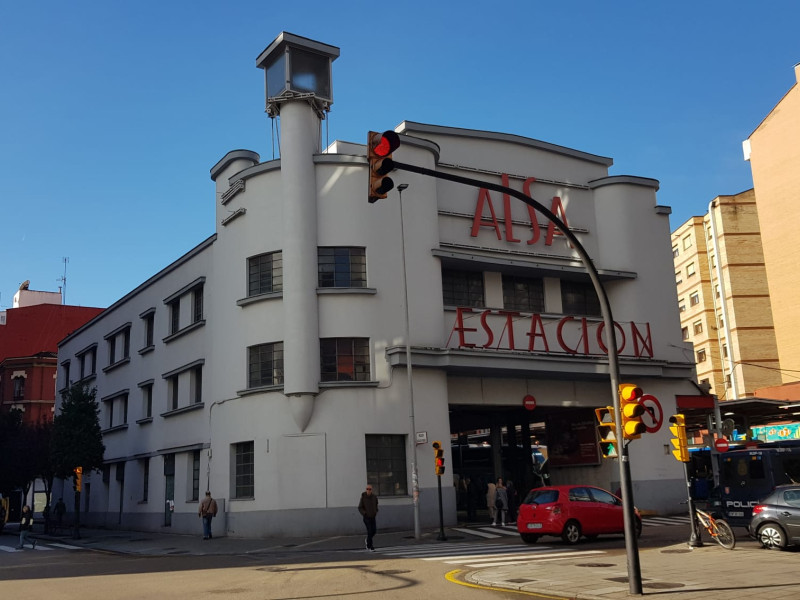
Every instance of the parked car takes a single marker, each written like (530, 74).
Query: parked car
(776, 518)
(571, 511)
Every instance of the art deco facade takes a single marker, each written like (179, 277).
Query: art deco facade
(317, 341)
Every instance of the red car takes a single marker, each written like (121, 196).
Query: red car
(571, 511)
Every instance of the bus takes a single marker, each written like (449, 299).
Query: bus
(747, 475)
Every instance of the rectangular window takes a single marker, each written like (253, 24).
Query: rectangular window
(265, 365)
(682, 306)
(123, 406)
(523, 293)
(149, 328)
(685, 333)
(687, 241)
(147, 400)
(690, 270)
(344, 267)
(19, 389)
(701, 356)
(716, 291)
(112, 350)
(195, 475)
(721, 323)
(462, 288)
(724, 350)
(265, 274)
(697, 327)
(172, 384)
(145, 478)
(196, 384)
(675, 252)
(175, 316)
(386, 464)
(678, 277)
(244, 469)
(579, 298)
(345, 359)
(65, 371)
(197, 304)
(126, 343)
(694, 299)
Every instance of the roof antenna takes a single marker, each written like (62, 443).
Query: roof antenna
(63, 280)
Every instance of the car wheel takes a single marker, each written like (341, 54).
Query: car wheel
(771, 536)
(529, 538)
(572, 532)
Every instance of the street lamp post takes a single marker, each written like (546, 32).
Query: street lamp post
(414, 470)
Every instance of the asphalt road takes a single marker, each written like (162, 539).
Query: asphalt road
(58, 571)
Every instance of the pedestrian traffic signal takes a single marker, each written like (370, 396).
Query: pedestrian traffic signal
(78, 471)
(607, 430)
(680, 441)
(438, 457)
(631, 409)
(379, 156)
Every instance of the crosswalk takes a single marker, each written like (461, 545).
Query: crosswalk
(40, 547)
(665, 521)
(483, 555)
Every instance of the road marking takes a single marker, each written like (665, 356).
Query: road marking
(451, 577)
(477, 532)
(501, 530)
(664, 521)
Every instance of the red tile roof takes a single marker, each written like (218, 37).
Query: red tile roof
(33, 329)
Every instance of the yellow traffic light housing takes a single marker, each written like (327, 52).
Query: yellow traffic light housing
(607, 431)
(631, 409)
(680, 442)
(379, 156)
(438, 457)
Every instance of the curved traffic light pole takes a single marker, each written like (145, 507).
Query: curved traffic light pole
(631, 544)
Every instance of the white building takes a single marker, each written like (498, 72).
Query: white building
(268, 364)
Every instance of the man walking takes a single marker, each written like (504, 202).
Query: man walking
(368, 507)
(207, 511)
(25, 526)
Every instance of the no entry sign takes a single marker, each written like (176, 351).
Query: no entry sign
(721, 445)
(529, 402)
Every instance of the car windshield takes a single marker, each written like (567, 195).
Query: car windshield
(541, 497)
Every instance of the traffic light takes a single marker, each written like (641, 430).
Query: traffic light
(78, 478)
(607, 430)
(379, 155)
(438, 456)
(631, 409)
(680, 441)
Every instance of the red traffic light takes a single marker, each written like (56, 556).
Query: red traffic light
(379, 156)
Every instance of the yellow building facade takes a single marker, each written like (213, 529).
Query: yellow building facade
(723, 298)
(773, 150)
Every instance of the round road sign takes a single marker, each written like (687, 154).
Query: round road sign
(529, 402)
(721, 445)
(653, 415)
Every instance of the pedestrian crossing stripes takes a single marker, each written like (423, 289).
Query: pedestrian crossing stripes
(489, 531)
(665, 521)
(483, 555)
(40, 547)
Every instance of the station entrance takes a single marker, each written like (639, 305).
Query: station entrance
(522, 446)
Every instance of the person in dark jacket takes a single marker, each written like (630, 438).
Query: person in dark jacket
(368, 507)
(25, 526)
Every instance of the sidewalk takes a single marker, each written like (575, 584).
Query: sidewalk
(674, 572)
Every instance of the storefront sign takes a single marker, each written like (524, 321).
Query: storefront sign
(511, 330)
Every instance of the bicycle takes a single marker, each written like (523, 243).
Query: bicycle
(718, 529)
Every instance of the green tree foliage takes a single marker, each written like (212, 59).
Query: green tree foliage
(76, 438)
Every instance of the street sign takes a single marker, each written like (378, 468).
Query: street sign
(721, 445)
(653, 413)
(529, 402)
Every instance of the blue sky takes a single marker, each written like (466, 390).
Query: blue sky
(112, 113)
